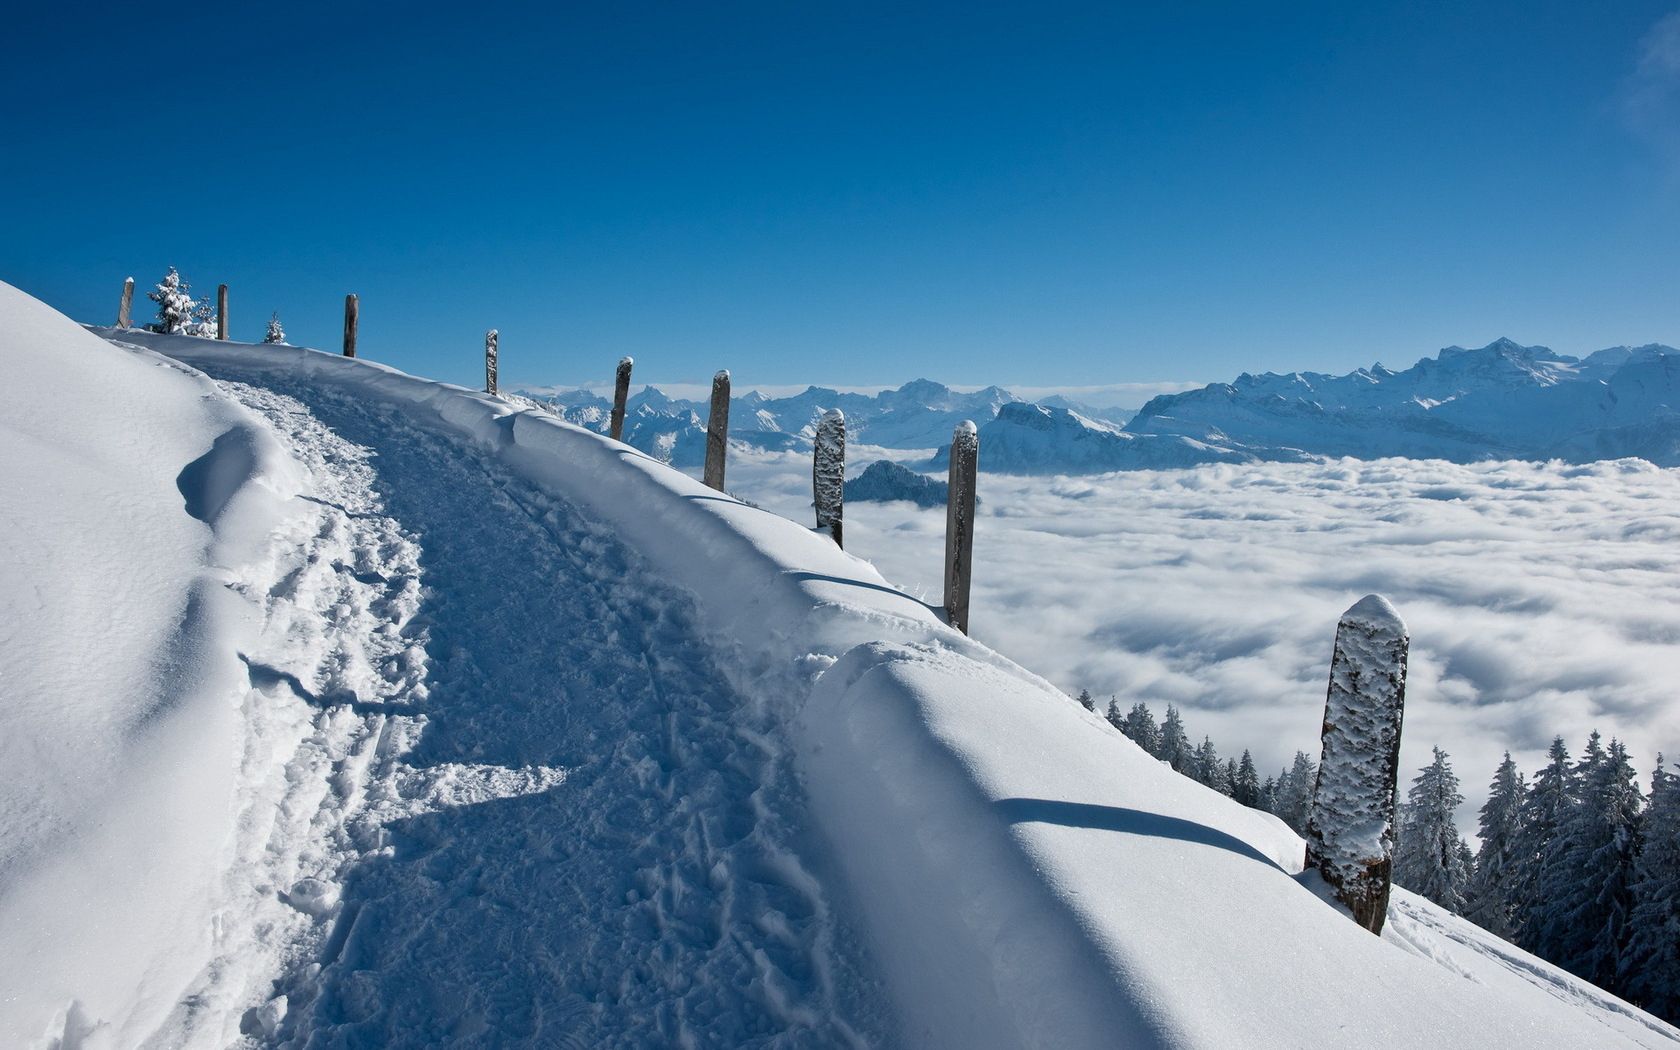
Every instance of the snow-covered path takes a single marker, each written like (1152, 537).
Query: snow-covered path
(418, 718)
(523, 806)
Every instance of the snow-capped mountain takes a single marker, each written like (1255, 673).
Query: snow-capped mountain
(1502, 400)
(1040, 439)
(918, 415)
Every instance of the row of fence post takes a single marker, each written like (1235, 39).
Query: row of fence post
(1352, 824)
(828, 473)
(828, 465)
(1351, 828)
(125, 317)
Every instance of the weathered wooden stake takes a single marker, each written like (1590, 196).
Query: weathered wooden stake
(621, 396)
(125, 312)
(352, 308)
(221, 312)
(828, 472)
(717, 431)
(959, 523)
(490, 340)
(1351, 829)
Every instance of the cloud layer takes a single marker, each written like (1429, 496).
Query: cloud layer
(1542, 599)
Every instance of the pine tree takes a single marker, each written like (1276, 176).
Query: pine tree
(1175, 745)
(1592, 888)
(1245, 785)
(1115, 718)
(1139, 727)
(1550, 796)
(1585, 888)
(203, 320)
(1430, 857)
(1208, 769)
(175, 305)
(1490, 901)
(1295, 792)
(1651, 962)
(276, 334)
(1268, 795)
(1085, 700)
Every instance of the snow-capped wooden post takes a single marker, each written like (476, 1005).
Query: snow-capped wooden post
(221, 312)
(1351, 829)
(352, 308)
(125, 312)
(621, 396)
(959, 523)
(717, 431)
(490, 339)
(828, 472)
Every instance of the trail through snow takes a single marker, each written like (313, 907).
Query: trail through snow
(498, 793)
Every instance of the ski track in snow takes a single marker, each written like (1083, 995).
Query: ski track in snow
(497, 793)
(1422, 933)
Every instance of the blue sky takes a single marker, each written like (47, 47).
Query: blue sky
(1034, 195)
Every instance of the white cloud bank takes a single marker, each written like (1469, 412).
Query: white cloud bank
(1542, 599)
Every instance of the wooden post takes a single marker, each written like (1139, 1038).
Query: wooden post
(1351, 829)
(717, 431)
(490, 340)
(352, 308)
(221, 312)
(125, 312)
(828, 472)
(959, 523)
(621, 395)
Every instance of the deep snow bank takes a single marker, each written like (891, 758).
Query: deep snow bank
(127, 491)
(1029, 877)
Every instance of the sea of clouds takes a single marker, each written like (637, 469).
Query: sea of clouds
(1542, 599)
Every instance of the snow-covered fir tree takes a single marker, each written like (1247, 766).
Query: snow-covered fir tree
(1589, 891)
(1651, 961)
(1546, 805)
(1175, 744)
(1490, 901)
(1209, 769)
(1085, 700)
(1294, 795)
(1140, 728)
(276, 334)
(1429, 859)
(176, 308)
(1245, 785)
(1115, 718)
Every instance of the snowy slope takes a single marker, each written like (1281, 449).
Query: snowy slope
(132, 494)
(647, 766)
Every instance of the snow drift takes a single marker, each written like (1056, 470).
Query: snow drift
(131, 490)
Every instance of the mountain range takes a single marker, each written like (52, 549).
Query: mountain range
(1500, 401)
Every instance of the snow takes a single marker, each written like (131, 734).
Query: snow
(132, 494)
(541, 741)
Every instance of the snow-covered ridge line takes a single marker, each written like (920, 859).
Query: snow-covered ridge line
(1028, 876)
(765, 581)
